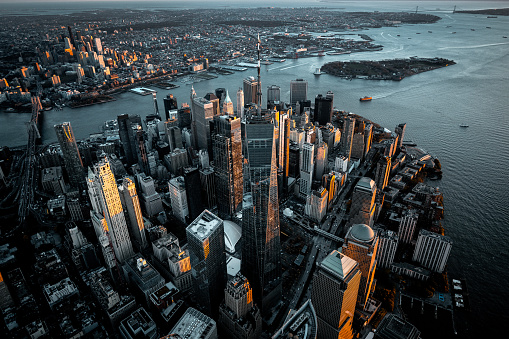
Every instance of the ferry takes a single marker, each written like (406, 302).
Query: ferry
(463, 125)
(366, 99)
(317, 72)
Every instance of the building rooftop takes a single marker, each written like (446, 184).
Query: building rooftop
(361, 232)
(204, 225)
(232, 234)
(194, 324)
(338, 264)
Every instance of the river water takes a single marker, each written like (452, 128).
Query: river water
(475, 160)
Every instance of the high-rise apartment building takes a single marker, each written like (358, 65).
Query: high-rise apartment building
(112, 210)
(227, 148)
(387, 245)
(407, 226)
(432, 250)
(383, 170)
(334, 295)
(132, 202)
(361, 244)
(298, 91)
(205, 236)
(261, 257)
(71, 154)
(363, 206)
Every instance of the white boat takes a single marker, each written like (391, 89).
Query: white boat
(317, 71)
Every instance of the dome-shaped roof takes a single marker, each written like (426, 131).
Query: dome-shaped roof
(362, 232)
(232, 234)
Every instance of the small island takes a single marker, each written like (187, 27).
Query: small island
(396, 69)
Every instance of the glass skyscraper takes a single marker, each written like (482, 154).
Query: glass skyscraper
(72, 159)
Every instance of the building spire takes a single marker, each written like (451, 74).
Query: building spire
(259, 92)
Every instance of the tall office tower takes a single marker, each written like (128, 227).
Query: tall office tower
(184, 117)
(238, 316)
(227, 147)
(293, 160)
(347, 136)
(205, 236)
(316, 204)
(400, 131)
(228, 105)
(368, 138)
(273, 96)
(334, 295)
(307, 168)
(170, 104)
(298, 91)
(178, 198)
(126, 138)
(203, 113)
(261, 247)
(361, 244)
(215, 102)
(387, 245)
(221, 94)
(71, 36)
(284, 148)
(132, 202)
(250, 91)
(363, 202)
(98, 45)
(208, 187)
(323, 109)
(383, 169)
(101, 230)
(240, 104)
(329, 183)
(432, 250)
(407, 226)
(193, 191)
(322, 153)
(151, 200)
(113, 212)
(140, 148)
(173, 134)
(357, 146)
(72, 159)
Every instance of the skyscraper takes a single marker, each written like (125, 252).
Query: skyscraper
(126, 138)
(347, 136)
(273, 96)
(239, 317)
(170, 104)
(240, 104)
(261, 258)
(178, 198)
(383, 169)
(215, 102)
(193, 192)
(205, 236)
(227, 105)
(140, 148)
(72, 159)
(323, 109)
(227, 148)
(334, 295)
(173, 134)
(387, 245)
(407, 226)
(432, 250)
(361, 244)
(112, 210)
(250, 91)
(298, 91)
(363, 202)
(284, 148)
(400, 131)
(203, 112)
(307, 168)
(136, 223)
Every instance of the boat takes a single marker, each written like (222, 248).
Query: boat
(492, 17)
(366, 99)
(317, 72)
(463, 125)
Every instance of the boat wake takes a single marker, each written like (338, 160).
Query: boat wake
(475, 46)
